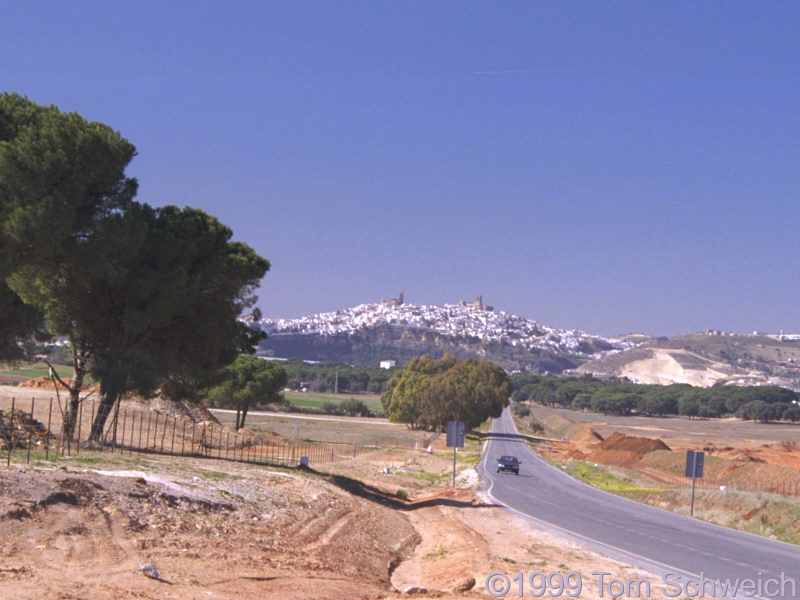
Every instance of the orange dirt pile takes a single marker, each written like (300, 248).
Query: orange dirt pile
(629, 443)
(587, 436)
(625, 450)
(45, 383)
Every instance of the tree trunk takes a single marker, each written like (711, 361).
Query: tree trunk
(107, 403)
(238, 413)
(79, 357)
(244, 415)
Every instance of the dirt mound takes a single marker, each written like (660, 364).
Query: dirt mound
(624, 450)
(586, 436)
(20, 429)
(630, 443)
(575, 455)
(180, 409)
(45, 383)
(85, 535)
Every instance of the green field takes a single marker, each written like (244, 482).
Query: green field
(314, 400)
(29, 370)
(32, 370)
(23, 371)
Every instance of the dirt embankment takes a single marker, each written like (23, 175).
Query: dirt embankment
(84, 535)
(617, 449)
(245, 532)
(746, 465)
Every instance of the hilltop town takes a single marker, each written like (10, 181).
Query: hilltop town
(465, 320)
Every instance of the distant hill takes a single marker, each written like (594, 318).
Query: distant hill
(392, 330)
(705, 359)
(369, 333)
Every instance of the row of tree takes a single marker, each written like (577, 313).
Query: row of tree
(148, 297)
(428, 393)
(760, 403)
(341, 377)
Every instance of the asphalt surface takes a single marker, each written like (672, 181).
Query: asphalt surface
(692, 558)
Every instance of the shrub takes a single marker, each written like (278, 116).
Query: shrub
(330, 408)
(353, 408)
(522, 410)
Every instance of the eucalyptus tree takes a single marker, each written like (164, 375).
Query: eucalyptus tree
(427, 393)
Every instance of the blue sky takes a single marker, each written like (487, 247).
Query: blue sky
(610, 166)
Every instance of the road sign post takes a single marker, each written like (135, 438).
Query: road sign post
(694, 469)
(456, 430)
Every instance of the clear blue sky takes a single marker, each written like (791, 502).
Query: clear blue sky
(610, 166)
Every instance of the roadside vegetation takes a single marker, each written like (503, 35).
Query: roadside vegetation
(757, 403)
(323, 401)
(336, 377)
(768, 515)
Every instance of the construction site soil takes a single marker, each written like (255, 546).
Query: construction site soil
(99, 525)
(738, 452)
(246, 532)
(103, 525)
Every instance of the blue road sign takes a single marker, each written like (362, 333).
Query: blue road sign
(455, 434)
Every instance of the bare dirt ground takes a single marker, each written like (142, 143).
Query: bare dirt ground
(245, 532)
(83, 528)
(734, 439)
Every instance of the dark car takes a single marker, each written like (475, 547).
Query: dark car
(508, 463)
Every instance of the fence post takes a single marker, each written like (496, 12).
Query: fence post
(49, 418)
(164, 435)
(30, 432)
(183, 435)
(141, 430)
(80, 419)
(147, 436)
(174, 424)
(93, 407)
(11, 435)
(133, 427)
(124, 426)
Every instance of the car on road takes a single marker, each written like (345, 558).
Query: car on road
(508, 463)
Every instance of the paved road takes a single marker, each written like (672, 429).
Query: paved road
(684, 550)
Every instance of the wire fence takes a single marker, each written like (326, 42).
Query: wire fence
(782, 487)
(37, 424)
